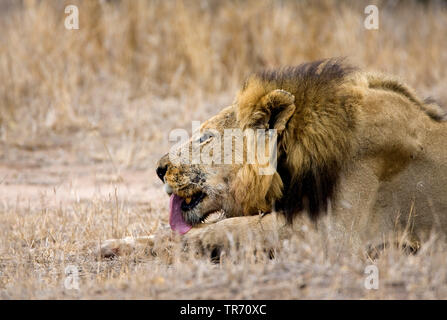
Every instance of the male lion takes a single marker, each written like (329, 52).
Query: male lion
(359, 149)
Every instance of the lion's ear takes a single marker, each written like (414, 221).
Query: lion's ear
(273, 110)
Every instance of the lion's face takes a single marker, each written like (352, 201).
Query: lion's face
(199, 189)
(229, 179)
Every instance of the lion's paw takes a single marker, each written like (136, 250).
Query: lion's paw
(117, 247)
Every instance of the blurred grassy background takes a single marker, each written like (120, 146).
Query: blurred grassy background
(136, 69)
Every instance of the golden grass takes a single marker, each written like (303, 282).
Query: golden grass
(84, 115)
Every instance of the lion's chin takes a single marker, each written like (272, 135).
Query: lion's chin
(193, 211)
(196, 218)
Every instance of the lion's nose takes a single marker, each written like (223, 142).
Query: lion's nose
(162, 166)
(161, 171)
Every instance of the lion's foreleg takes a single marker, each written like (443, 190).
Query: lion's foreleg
(260, 232)
(115, 247)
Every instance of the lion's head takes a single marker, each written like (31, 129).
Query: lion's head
(306, 139)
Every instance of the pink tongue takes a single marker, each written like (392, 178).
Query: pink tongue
(175, 215)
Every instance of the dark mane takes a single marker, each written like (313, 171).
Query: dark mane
(311, 73)
(315, 86)
(308, 193)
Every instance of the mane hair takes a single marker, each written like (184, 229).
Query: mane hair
(314, 147)
(315, 73)
(317, 142)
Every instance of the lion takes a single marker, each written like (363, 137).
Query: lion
(355, 149)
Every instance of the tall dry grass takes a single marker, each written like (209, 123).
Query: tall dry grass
(84, 115)
(58, 79)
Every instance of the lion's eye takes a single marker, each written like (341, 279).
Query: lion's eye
(205, 137)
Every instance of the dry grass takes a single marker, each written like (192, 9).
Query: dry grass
(84, 115)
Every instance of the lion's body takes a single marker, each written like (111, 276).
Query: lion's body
(397, 178)
(391, 161)
(357, 150)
